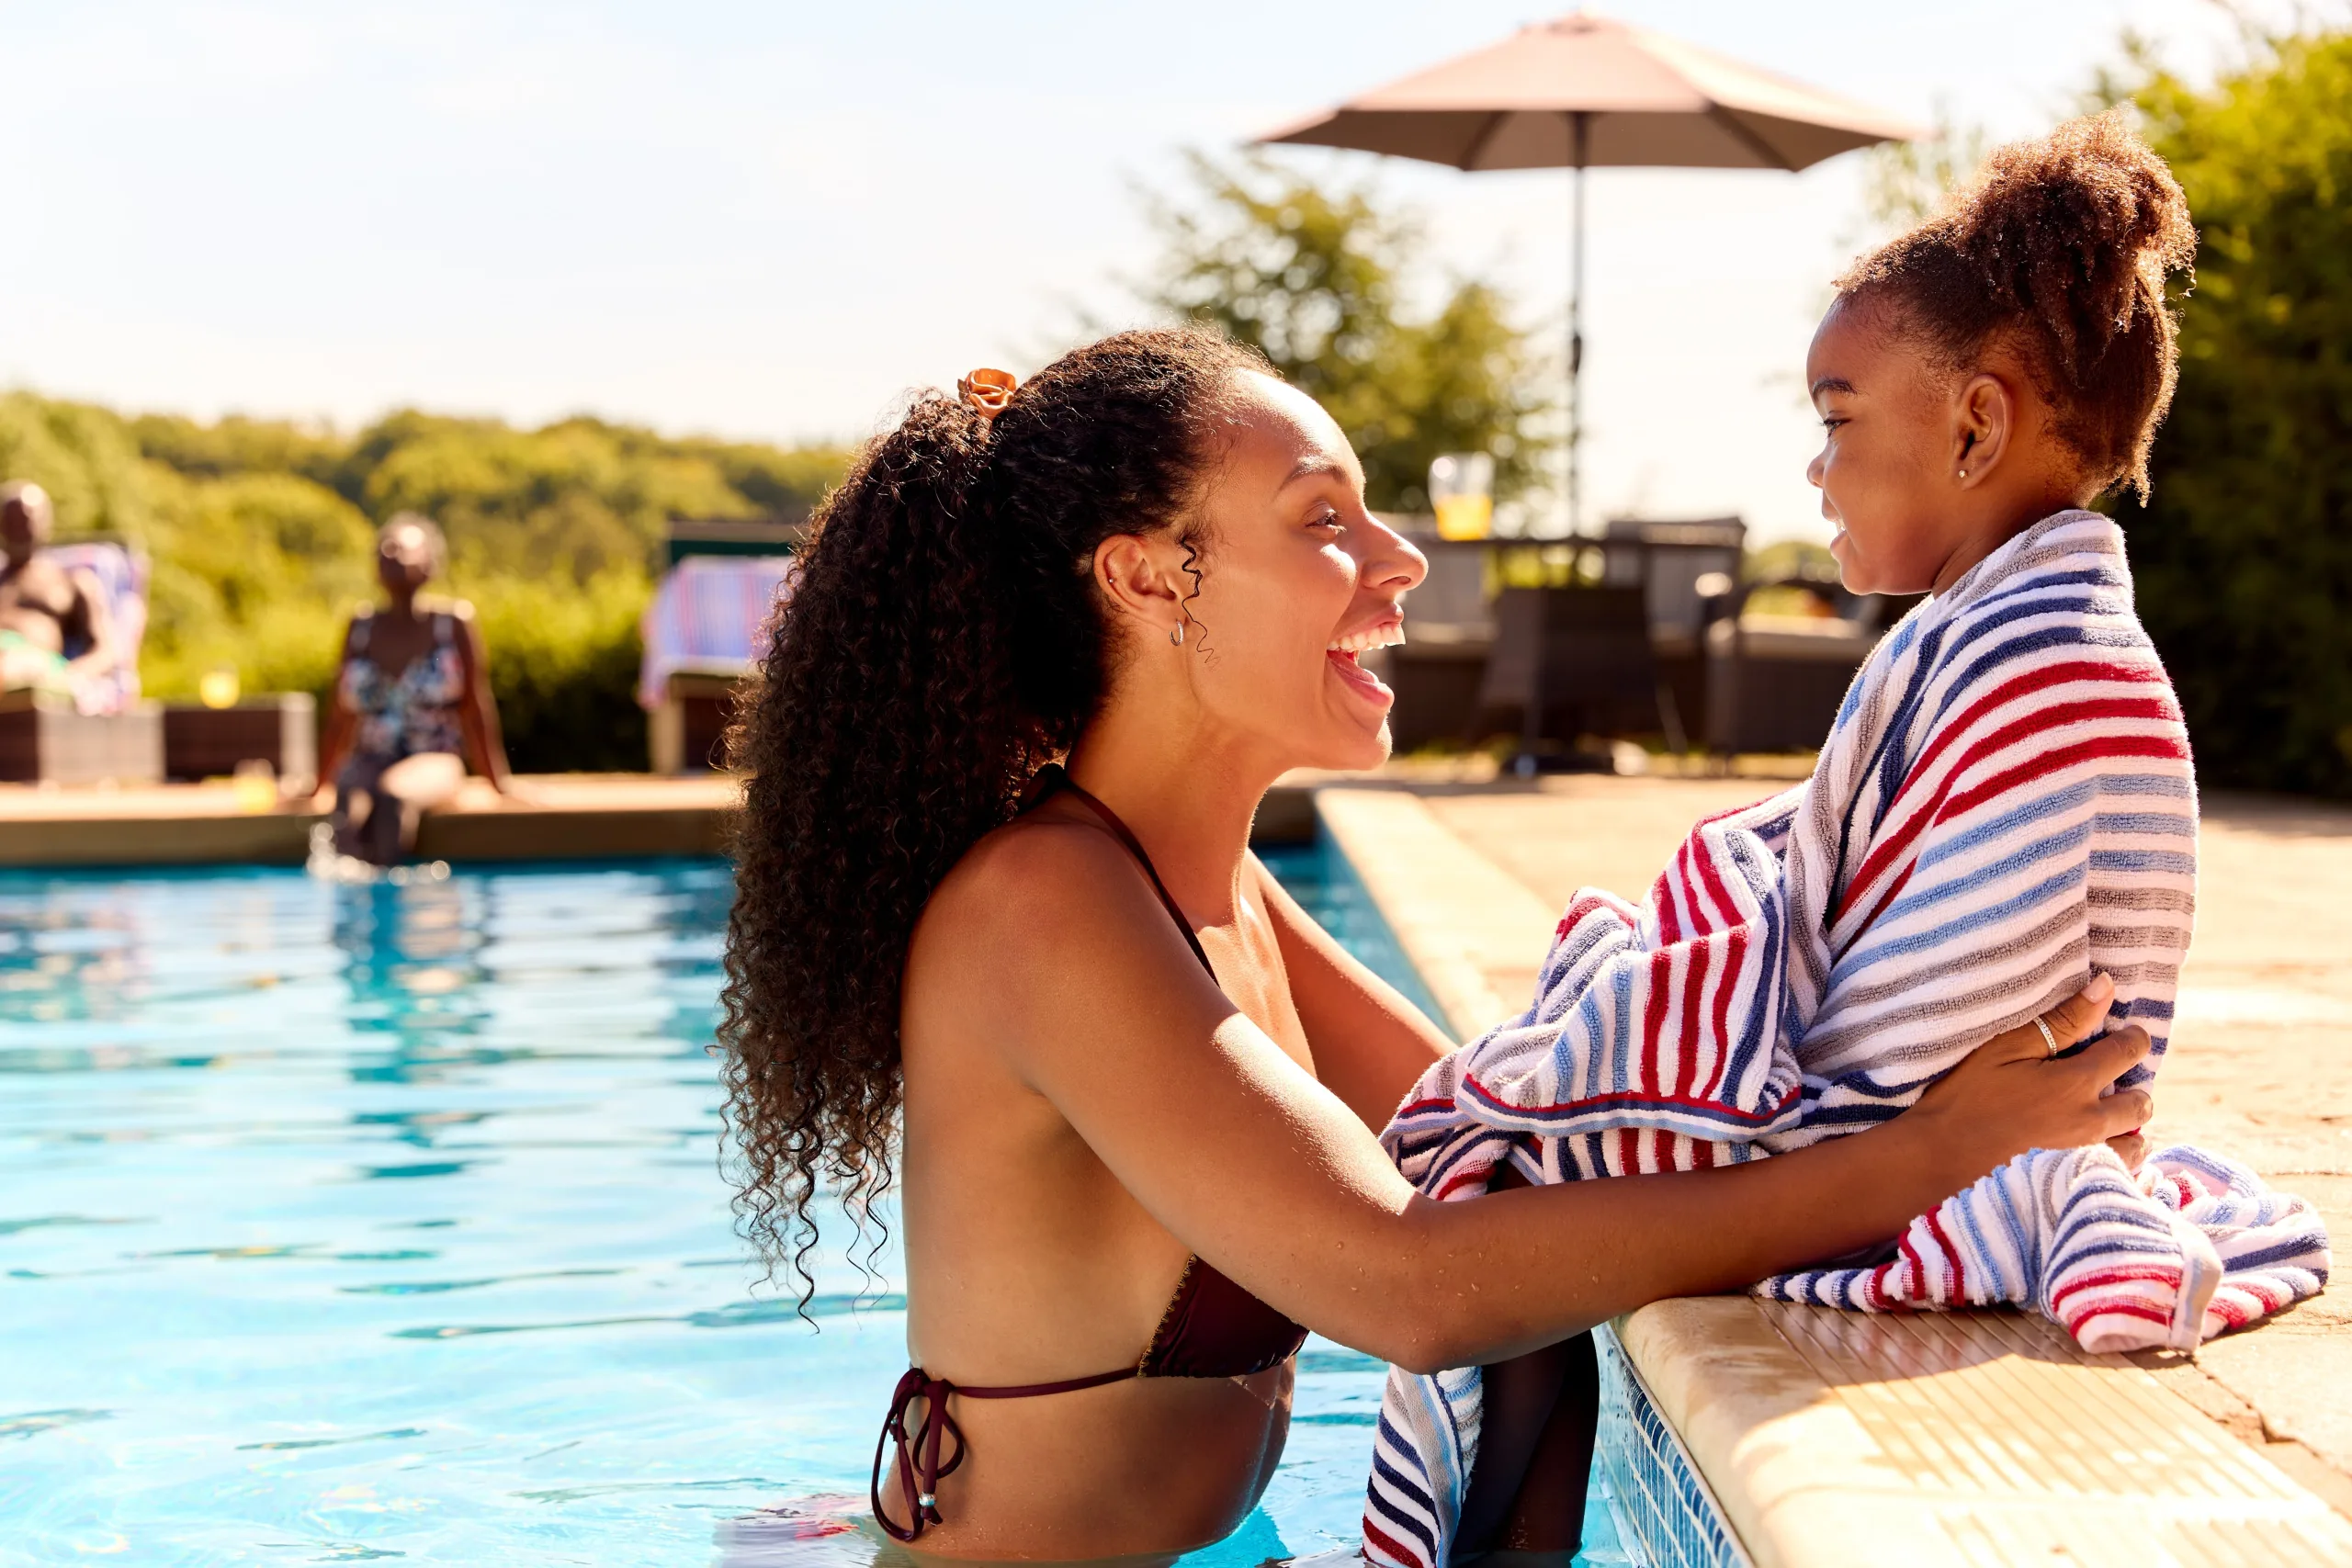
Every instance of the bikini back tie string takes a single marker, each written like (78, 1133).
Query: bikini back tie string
(919, 1464)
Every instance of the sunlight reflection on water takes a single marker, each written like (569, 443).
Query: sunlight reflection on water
(341, 1222)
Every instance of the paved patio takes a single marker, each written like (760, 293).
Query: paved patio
(1472, 869)
(2260, 1065)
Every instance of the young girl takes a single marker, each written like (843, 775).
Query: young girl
(2003, 809)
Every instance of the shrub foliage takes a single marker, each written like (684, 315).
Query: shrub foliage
(262, 534)
(2244, 553)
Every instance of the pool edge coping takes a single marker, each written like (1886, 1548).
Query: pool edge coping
(1800, 1481)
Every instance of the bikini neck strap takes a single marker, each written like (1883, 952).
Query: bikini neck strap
(1054, 779)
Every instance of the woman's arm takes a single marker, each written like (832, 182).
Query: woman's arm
(96, 616)
(1371, 1046)
(334, 736)
(1074, 972)
(477, 713)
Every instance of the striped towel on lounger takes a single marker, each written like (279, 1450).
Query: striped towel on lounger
(2004, 807)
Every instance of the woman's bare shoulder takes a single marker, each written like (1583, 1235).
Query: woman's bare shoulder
(1037, 903)
(1029, 879)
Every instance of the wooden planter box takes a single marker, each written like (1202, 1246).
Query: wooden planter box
(281, 729)
(44, 740)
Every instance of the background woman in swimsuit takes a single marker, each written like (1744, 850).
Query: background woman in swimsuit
(412, 703)
(1136, 1148)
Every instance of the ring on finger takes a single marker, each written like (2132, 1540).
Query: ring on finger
(2048, 1039)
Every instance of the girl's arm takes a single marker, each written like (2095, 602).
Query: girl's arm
(1075, 974)
(1369, 1044)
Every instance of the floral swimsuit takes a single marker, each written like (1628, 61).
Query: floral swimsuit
(408, 714)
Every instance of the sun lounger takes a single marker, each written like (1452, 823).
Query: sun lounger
(104, 733)
(703, 632)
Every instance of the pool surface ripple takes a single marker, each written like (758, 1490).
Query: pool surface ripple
(351, 1222)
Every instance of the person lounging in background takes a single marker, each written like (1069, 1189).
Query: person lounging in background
(2003, 809)
(412, 703)
(45, 609)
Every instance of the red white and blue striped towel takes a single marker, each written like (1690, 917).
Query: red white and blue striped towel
(2004, 807)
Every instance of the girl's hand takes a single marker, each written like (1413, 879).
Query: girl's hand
(2012, 1095)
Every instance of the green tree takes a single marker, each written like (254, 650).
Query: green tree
(84, 457)
(2243, 556)
(261, 533)
(563, 668)
(1317, 281)
(1904, 183)
(252, 572)
(572, 500)
(241, 446)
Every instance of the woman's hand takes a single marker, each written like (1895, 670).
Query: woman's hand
(2012, 1095)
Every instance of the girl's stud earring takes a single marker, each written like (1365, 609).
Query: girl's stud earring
(1963, 473)
(1176, 635)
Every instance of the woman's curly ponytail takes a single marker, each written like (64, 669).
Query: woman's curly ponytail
(2060, 249)
(942, 639)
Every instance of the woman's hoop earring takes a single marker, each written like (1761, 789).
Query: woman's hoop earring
(1176, 636)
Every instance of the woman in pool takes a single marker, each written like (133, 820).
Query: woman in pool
(1136, 1086)
(412, 703)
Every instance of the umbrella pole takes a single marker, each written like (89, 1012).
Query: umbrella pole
(1579, 131)
(1531, 729)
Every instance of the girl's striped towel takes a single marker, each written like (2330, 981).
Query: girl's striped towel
(2004, 806)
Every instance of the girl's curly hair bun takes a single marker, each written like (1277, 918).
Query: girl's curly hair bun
(2060, 249)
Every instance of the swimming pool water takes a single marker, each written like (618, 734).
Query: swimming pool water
(345, 1222)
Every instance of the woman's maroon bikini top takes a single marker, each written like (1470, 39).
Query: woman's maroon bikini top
(1212, 1329)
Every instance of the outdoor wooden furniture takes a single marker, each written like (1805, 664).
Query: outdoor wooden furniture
(776, 535)
(1437, 677)
(280, 728)
(706, 630)
(1774, 682)
(1575, 661)
(1449, 627)
(1672, 558)
(687, 730)
(1447, 684)
(44, 740)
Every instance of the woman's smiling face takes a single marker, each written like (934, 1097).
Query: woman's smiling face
(1296, 579)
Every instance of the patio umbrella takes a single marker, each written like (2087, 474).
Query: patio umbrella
(1588, 92)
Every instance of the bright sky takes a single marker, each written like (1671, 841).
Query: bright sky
(771, 221)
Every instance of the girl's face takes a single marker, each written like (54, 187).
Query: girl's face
(1294, 582)
(1888, 460)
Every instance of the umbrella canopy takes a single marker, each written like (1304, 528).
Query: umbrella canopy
(1649, 101)
(1589, 92)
